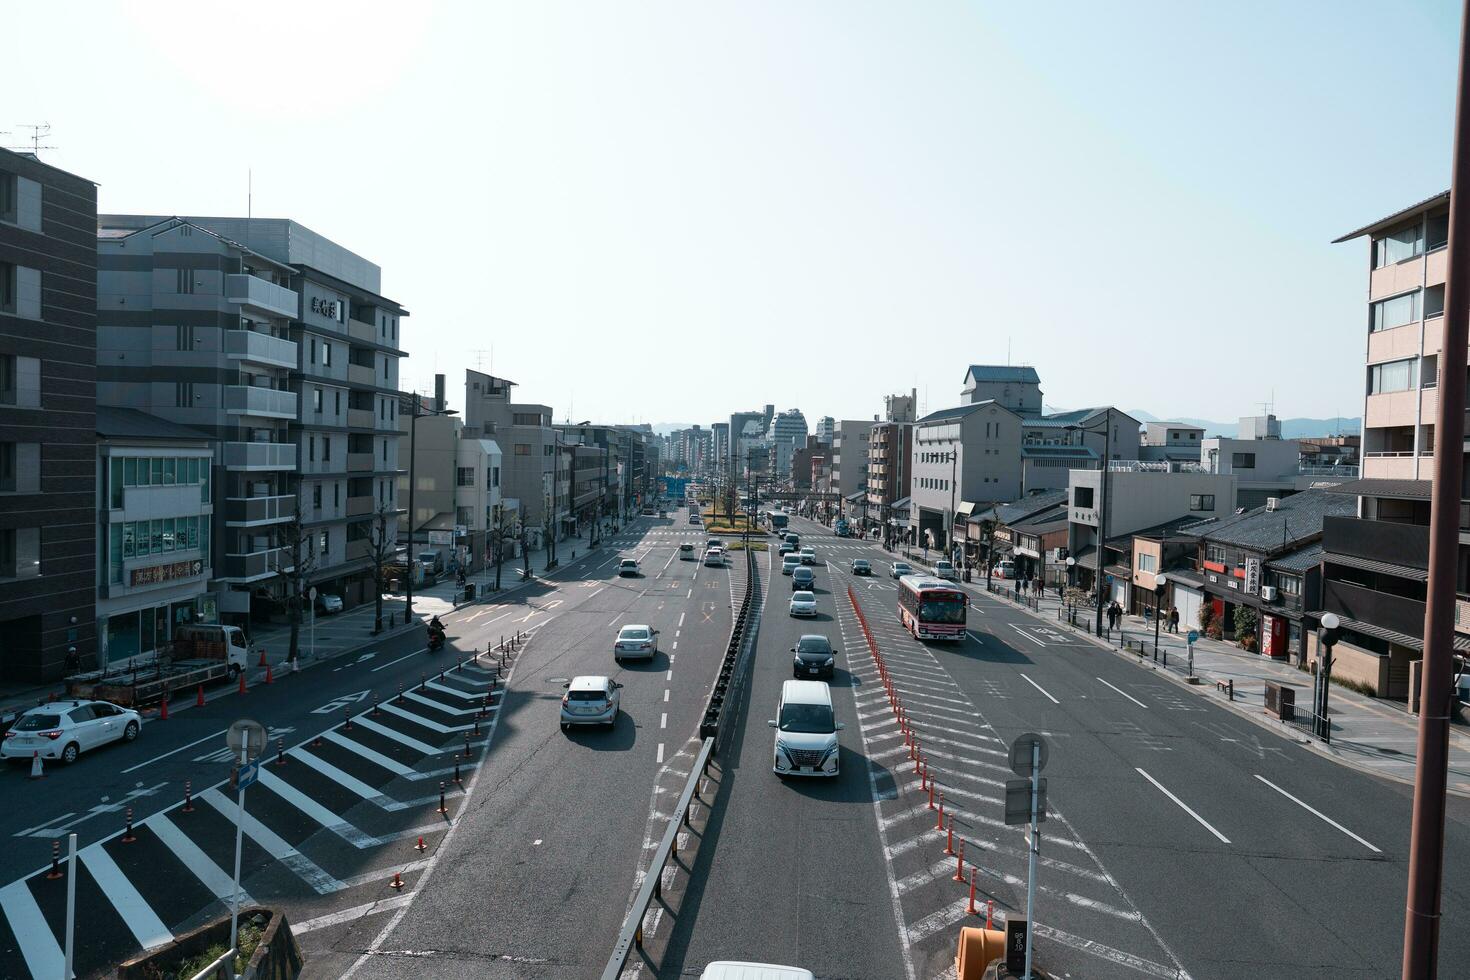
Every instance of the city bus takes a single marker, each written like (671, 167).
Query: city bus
(777, 519)
(931, 608)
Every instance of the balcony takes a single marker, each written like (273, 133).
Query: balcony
(266, 297)
(358, 330)
(260, 455)
(1398, 544)
(266, 402)
(1397, 466)
(361, 418)
(359, 374)
(258, 511)
(1344, 472)
(359, 506)
(1370, 606)
(360, 462)
(359, 550)
(260, 348)
(256, 565)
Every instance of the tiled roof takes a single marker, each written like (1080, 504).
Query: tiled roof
(1300, 560)
(1003, 373)
(1297, 518)
(1406, 489)
(129, 423)
(1385, 567)
(1190, 526)
(958, 412)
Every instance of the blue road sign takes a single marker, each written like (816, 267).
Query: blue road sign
(246, 775)
(1193, 635)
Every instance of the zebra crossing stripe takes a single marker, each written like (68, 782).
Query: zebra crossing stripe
(322, 815)
(376, 758)
(37, 942)
(303, 867)
(132, 908)
(193, 857)
(408, 740)
(441, 706)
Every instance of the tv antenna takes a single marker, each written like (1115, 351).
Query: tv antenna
(480, 356)
(39, 131)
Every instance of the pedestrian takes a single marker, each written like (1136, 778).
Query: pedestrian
(72, 664)
(1173, 619)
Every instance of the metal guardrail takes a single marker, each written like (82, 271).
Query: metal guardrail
(709, 725)
(222, 968)
(631, 935)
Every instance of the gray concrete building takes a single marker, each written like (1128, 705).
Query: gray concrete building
(277, 342)
(961, 457)
(531, 474)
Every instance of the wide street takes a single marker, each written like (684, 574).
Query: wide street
(1176, 826)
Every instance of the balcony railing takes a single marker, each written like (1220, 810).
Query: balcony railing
(357, 506)
(361, 418)
(360, 374)
(358, 330)
(260, 348)
(256, 565)
(250, 511)
(260, 455)
(267, 402)
(1378, 608)
(1152, 466)
(1345, 472)
(253, 291)
(360, 462)
(1386, 541)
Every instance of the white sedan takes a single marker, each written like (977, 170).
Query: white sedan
(803, 603)
(635, 641)
(65, 729)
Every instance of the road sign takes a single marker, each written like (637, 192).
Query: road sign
(1018, 801)
(247, 735)
(1021, 754)
(246, 774)
(1192, 636)
(311, 593)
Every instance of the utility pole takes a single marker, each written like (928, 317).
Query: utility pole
(1431, 772)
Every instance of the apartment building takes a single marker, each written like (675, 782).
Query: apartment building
(48, 436)
(850, 456)
(155, 519)
(788, 432)
(1264, 464)
(889, 460)
(961, 457)
(1052, 445)
(277, 342)
(1171, 442)
(535, 473)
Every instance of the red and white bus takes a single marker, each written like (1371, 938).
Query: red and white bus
(931, 608)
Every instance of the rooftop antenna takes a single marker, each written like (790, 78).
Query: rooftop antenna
(39, 131)
(249, 193)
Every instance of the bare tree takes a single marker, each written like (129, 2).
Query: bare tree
(382, 549)
(506, 531)
(293, 570)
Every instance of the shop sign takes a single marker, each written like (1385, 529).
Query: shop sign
(441, 537)
(154, 574)
(325, 307)
(1253, 575)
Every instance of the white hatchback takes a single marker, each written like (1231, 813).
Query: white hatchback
(803, 604)
(65, 729)
(590, 700)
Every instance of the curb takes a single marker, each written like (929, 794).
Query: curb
(1325, 751)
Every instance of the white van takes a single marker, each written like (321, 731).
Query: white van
(806, 731)
(739, 970)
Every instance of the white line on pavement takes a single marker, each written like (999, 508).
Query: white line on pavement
(172, 751)
(132, 908)
(1183, 806)
(37, 942)
(1125, 694)
(663, 720)
(1317, 813)
(1040, 688)
(681, 619)
(660, 759)
(1039, 642)
(666, 694)
(398, 661)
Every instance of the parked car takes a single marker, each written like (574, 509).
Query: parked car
(802, 578)
(635, 641)
(433, 561)
(628, 567)
(686, 552)
(806, 731)
(808, 556)
(590, 700)
(790, 564)
(900, 569)
(944, 568)
(327, 603)
(714, 558)
(860, 566)
(65, 729)
(803, 604)
(1003, 569)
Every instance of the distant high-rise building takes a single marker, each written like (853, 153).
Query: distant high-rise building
(825, 426)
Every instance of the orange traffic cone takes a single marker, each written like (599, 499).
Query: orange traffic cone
(163, 710)
(242, 682)
(262, 658)
(268, 678)
(199, 698)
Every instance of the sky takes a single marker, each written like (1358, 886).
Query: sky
(669, 211)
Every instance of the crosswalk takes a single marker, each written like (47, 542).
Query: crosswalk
(1095, 927)
(334, 817)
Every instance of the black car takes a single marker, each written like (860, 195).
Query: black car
(860, 566)
(813, 657)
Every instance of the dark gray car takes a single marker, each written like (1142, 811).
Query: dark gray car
(814, 657)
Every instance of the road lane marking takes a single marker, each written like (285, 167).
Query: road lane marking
(660, 759)
(663, 720)
(1125, 694)
(413, 743)
(181, 748)
(132, 908)
(1183, 806)
(668, 675)
(202, 865)
(666, 694)
(614, 620)
(37, 942)
(304, 868)
(1317, 813)
(1041, 689)
(376, 758)
(1039, 642)
(681, 619)
(398, 661)
(348, 915)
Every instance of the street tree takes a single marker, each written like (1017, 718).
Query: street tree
(294, 568)
(505, 533)
(382, 549)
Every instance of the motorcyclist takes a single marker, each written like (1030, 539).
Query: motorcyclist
(436, 630)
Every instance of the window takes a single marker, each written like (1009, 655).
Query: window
(316, 400)
(324, 543)
(20, 381)
(183, 338)
(326, 354)
(170, 470)
(462, 516)
(336, 495)
(1147, 562)
(1082, 497)
(1395, 312)
(1402, 244)
(1434, 301)
(523, 449)
(183, 394)
(326, 449)
(20, 469)
(156, 465)
(494, 476)
(311, 449)
(1202, 501)
(183, 281)
(1215, 553)
(20, 290)
(316, 496)
(1439, 230)
(464, 477)
(385, 450)
(8, 197)
(1393, 376)
(525, 418)
(1289, 584)
(1243, 461)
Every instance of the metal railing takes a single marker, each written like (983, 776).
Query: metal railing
(221, 969)
(631, 934)
(709, 725)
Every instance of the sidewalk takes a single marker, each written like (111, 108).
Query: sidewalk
(342, 633)
(1368, 733)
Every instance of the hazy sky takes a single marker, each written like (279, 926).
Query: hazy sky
(668, 211)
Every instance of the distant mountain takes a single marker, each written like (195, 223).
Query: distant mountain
(664, 428)
(1300, 428)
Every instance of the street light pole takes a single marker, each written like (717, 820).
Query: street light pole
(413, 458)
(1160, 582)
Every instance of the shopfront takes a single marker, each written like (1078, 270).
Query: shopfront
(143, 631)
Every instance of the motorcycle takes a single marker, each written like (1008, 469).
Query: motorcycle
(436, 639)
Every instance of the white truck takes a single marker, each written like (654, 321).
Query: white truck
(199, 654)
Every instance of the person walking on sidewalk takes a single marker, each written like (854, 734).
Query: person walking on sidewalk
(1173, 619)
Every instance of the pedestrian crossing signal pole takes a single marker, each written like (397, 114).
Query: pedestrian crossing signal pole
(239, 840)
(71, 902)
(1025, 803)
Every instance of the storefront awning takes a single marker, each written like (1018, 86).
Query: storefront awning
(966, 508)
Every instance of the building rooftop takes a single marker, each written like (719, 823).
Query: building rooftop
(1382, 224)
(1402, 489)
(129, 423)
(960, 411)
(1002, 373)
(1300, 560)
(1296, 518)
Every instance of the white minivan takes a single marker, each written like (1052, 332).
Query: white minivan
(806, 731)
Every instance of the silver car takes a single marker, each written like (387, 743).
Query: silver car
(590, 700)
(635, 641)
